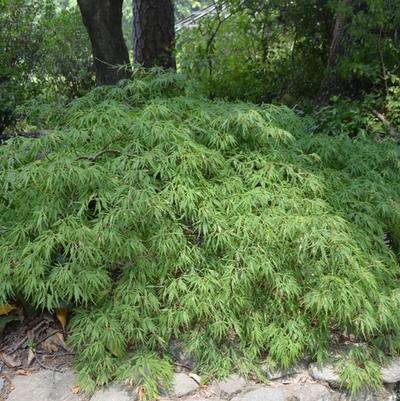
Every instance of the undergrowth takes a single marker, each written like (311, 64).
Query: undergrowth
(156, 214)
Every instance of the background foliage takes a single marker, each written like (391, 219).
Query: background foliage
(43, 53)
(279, 50)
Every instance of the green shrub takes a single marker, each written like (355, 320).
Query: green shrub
(357, 118)
(348, 118)
(156, 214)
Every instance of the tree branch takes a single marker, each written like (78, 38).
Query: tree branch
(98, 155)
(389, 126)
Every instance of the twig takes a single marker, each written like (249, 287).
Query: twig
(20, 344)
(389, 126)
(384, 70)
(62, 353)
(43, 366)
(56, 354)
(210, 43)
(35, 134)
(26, 337)
(47, 336)
(98, 155)
(182, 366)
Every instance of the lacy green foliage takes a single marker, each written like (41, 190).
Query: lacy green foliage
(156, 215)
(360, 366)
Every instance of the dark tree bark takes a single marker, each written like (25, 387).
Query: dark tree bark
(103, 21)
(154, 33)
(336, 48)
(333, 83)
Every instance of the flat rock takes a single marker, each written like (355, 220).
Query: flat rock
(310, 392)
(231, 385)
(280, 374)
(204, 399)
(44, 386)
(183, 385)
(391, 372)
(277, 374)
(115, 392)
(264, 394)
(325, 373)
(384, 395)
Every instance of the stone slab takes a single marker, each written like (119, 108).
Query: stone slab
(44, 386)
(310, 392)
(231, 385)
(183, 385)
(263, 394)
(325, 373)
(307, 392)
(391, 372)
(115, 392)
(204, 399)
(384, 395)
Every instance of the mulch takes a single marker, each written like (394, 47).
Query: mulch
(32, 344)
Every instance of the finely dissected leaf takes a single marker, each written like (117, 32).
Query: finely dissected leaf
(158, 215)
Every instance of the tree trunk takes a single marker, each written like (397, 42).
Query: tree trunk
(154, 33)
(333, 83)
(103, 21)
(336, 47)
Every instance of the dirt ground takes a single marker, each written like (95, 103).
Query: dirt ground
(32, 344)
